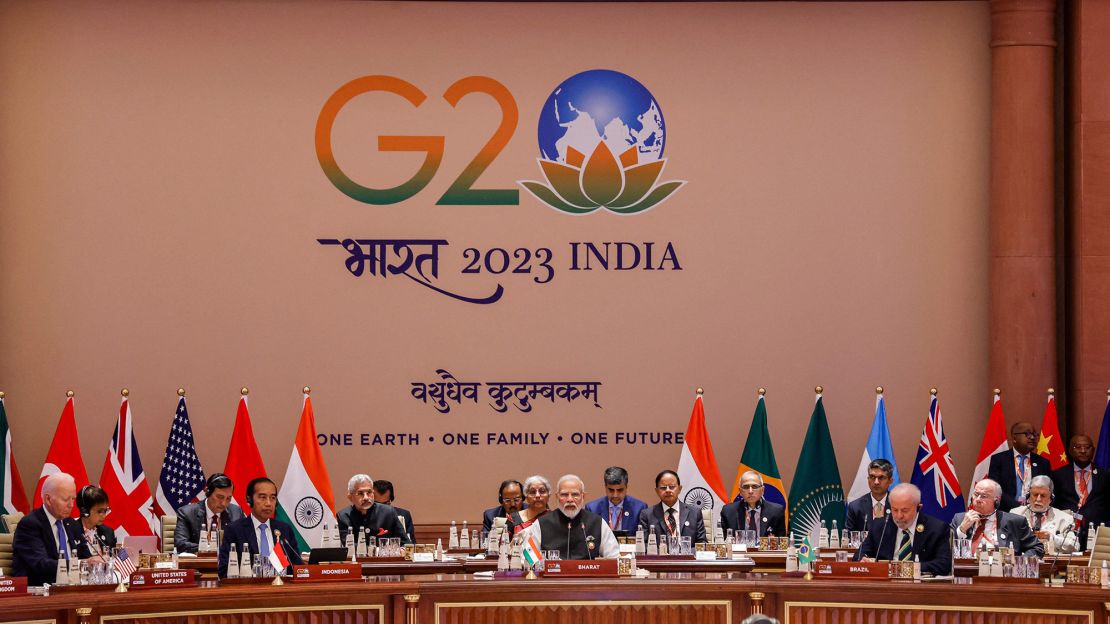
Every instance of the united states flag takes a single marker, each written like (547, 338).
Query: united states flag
(123, 563)
(934, 472)
(125, 483)
(182, 478)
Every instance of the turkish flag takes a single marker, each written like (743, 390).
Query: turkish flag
(244, 462)
(1050, 445)
(64, 455)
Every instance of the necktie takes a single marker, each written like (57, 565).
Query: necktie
(877, 512)
(672, 528)
(63, 543)
(1084, 485)
(614, 517)
(751, 521)
(977, 536)
(1037, 520)
(905, 551)
(1021, 478)
(264, 540)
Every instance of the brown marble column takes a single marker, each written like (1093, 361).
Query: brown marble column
(1022, 244)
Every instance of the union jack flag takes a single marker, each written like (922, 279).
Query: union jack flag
(125, 483)
(934, 472)
(182, 478)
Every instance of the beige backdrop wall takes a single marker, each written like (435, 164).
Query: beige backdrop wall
(161, 198)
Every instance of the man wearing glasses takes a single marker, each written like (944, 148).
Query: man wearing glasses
(669, 516)
(752, 512)
(1014, 469)
(510, 497)
(985, 523)
(572, 530)
(873, 505)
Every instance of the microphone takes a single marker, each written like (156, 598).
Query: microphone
(585, 539)
(569, 524)
(886, 517)
(1056, 559)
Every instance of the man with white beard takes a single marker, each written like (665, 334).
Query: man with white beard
(572, 530)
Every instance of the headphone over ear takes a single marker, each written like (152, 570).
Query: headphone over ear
(217, 481)
(84, 505)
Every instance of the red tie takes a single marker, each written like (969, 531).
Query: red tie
(671, 528)
(1084, 486)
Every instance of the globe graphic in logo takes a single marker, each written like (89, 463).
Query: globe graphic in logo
(601, 105)
(601, 136)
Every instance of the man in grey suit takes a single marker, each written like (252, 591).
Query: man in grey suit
(986, 524)
(669, 516)
(213, 513)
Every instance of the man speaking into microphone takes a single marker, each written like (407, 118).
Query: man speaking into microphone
(907, 533)
(573, 531)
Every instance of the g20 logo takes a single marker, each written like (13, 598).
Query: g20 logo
(601, 137)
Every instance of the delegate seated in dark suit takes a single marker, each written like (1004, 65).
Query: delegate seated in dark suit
(629, 513)
(929, 537)
(770, 518)
(191, 520)
(510, 499)
(380, 519)
(34, 550)
(860, 513)
(105, 537)
(242, 531)
(1003, 466)
(689, 520)
(410, 530)
(1012, 530)
(1094, 508)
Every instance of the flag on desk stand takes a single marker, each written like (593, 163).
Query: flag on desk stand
(277, 554)
(531, 551)
(816, 495)
(14, 497)
(124, 481)
(123, 563)
(805, 551)
(244, 462)
(1050, 445)
(702, 486)
(1102, 452)
(878, 447)
(934, 472)
(994, 440)
(306, 501)
(64, 454)
(759, 456)
(182, 478)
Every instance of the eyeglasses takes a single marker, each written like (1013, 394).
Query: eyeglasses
(666, 488)
(539, 492)
(982, 495)
(751, 487)
(515, 499)
(1028, 434)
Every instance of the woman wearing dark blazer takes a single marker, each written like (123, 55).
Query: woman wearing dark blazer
(92, 503)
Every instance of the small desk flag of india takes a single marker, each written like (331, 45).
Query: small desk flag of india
(531, 551)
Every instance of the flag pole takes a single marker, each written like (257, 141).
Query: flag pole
(181, 392)
(932, 392)
(125, 393)
(69, 394)
(762, 392)
(244, 391)
(878, 389)
(306, 390)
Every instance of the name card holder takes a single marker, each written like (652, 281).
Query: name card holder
(665, 557)
(13, 586)
(574, 568)
(327, 573)
(876, 570)
(155, 578)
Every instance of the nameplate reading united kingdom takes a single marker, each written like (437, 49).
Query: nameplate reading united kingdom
(571, 568)
(150, 579)
(327, 573)
(13, 586)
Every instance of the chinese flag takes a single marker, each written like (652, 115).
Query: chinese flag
(244, 462)
(1049, 445)
(64, 455)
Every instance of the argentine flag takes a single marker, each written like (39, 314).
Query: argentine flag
(878, 446)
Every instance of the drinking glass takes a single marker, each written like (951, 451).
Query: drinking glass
(686, 545)
(855, 539)
(552, 555)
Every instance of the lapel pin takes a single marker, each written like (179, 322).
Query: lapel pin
(921, 528)
(1001, 536)
(687, 523)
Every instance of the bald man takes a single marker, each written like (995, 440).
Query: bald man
(48, 532)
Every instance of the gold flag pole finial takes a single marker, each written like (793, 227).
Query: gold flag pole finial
(933, 391)
(763, 392)
(998, 391)
(878, 389)
(819, 389)
(700, 391)
(181, 392)
(1051, 391)
(3, 394)
(69, 394)
(244, 391)
(306, 390)
(125, 392)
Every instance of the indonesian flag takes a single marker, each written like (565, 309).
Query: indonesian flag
(702, 486)
(244, 462)
(277, 554)
(125, 483)
(994, 441)
(14, 497)
(1050, 445)
(306, 501)
(64, 455)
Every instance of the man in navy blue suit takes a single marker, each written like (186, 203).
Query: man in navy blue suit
(752, 512)
(670, 516)
(907, 533)
(874, 504)
(1013, 469)
(619, 510)
(47, 532)
(259, 531)
(383, 493)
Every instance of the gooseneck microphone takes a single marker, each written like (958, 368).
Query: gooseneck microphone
(886, 518)
(586, 540)
(569, 525)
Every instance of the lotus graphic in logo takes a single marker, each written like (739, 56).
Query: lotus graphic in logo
(601, 137)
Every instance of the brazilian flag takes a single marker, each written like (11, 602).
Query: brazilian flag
(759, 456)
(816, 495)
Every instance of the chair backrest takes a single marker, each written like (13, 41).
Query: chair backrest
(10, 520)
(1101, 551)
(6, 553)
(169, 524)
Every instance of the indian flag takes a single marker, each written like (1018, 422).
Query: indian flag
(531, 551)
(306, 501)
(702, 486)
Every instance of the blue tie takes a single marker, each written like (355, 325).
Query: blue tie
(62, 540)
(264, 540)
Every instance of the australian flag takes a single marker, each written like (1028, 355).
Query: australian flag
(934, 472)
(182, 478)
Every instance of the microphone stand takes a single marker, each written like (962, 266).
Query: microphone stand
(1056, 559)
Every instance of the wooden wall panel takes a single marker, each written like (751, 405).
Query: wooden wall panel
(601, 612)
(822, 613)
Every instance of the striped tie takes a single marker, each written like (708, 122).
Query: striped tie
(905, 552)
